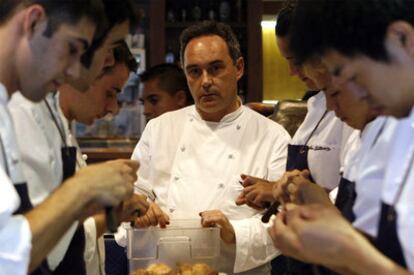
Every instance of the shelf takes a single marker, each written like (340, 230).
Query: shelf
(183, 25)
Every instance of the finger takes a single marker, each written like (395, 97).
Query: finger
(240, 200)
(133, 164)
(251, 196)
(255, 206)
(305, 173)
(249, 181)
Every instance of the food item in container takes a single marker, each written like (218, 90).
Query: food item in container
(182, 269)
(155, 269)
(195, 269)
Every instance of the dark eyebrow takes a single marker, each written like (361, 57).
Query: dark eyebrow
(190, 66)
(118, 42)
(216, 62)
(338, 70)
(117, 90)
(84, 43)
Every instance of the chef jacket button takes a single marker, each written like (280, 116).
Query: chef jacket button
(176, 178)
(231, 156)
(221, 185)
(182, 148)
(171, 210)
(238, 127)
(85, 157)
(191, 119)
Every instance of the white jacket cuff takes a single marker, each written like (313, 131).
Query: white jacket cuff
(254, 247)
(89, 226)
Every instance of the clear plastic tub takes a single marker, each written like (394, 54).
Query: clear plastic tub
(182, 242)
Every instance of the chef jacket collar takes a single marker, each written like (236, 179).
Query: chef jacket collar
(226, 119)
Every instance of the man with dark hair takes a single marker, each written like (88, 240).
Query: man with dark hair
(192, 158)
(37, 120)
(163, 88)
(372, 55)
(35, 62)
(121, 17)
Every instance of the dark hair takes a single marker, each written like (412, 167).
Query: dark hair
(284, 18)
(123, 55)
(351, 27)
(171, 78)
(207, 28)
(116, 12)
(58, 12)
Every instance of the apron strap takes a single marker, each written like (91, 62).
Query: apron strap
(316, 127)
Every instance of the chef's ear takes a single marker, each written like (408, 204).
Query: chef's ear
(34, 17)
(401, 34)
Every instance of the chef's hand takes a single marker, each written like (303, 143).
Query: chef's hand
(213, 218)
(256, 193)
(313, 233)
(153, 216)
(280, 188)
(285, 239)
(302, 191)
(132, 208)
(105, 184)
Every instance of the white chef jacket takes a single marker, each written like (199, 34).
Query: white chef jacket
(42, 163)
(193, 165)
(399, 174)
(376, 143)
(327, 144)
(15, 234)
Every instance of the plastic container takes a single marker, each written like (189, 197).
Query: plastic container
(182, 242)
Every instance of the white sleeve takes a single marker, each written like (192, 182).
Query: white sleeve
(15, 234)
(142, 154)
(254, 247)
(16, 244)
(89, 226)
(142, 185)
(277, 165)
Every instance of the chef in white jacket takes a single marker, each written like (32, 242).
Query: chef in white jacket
(48, 128)
(33, 61)
(192, 158)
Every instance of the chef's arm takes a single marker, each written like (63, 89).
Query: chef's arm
(93, 187)
(364, 258)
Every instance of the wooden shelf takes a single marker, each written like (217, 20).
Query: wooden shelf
(96, 155)
(183, 25)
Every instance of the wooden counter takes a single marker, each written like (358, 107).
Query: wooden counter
(103, 154)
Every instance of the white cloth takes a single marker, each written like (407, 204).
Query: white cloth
(194, 165)
(42, 164)
(15, 234)
(399, 176)
(94, 247)
(376, 142)
(327, 144)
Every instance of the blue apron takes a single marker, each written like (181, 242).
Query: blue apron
(387, 240)
(345, 198)
(73, 262)
(297, 159)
